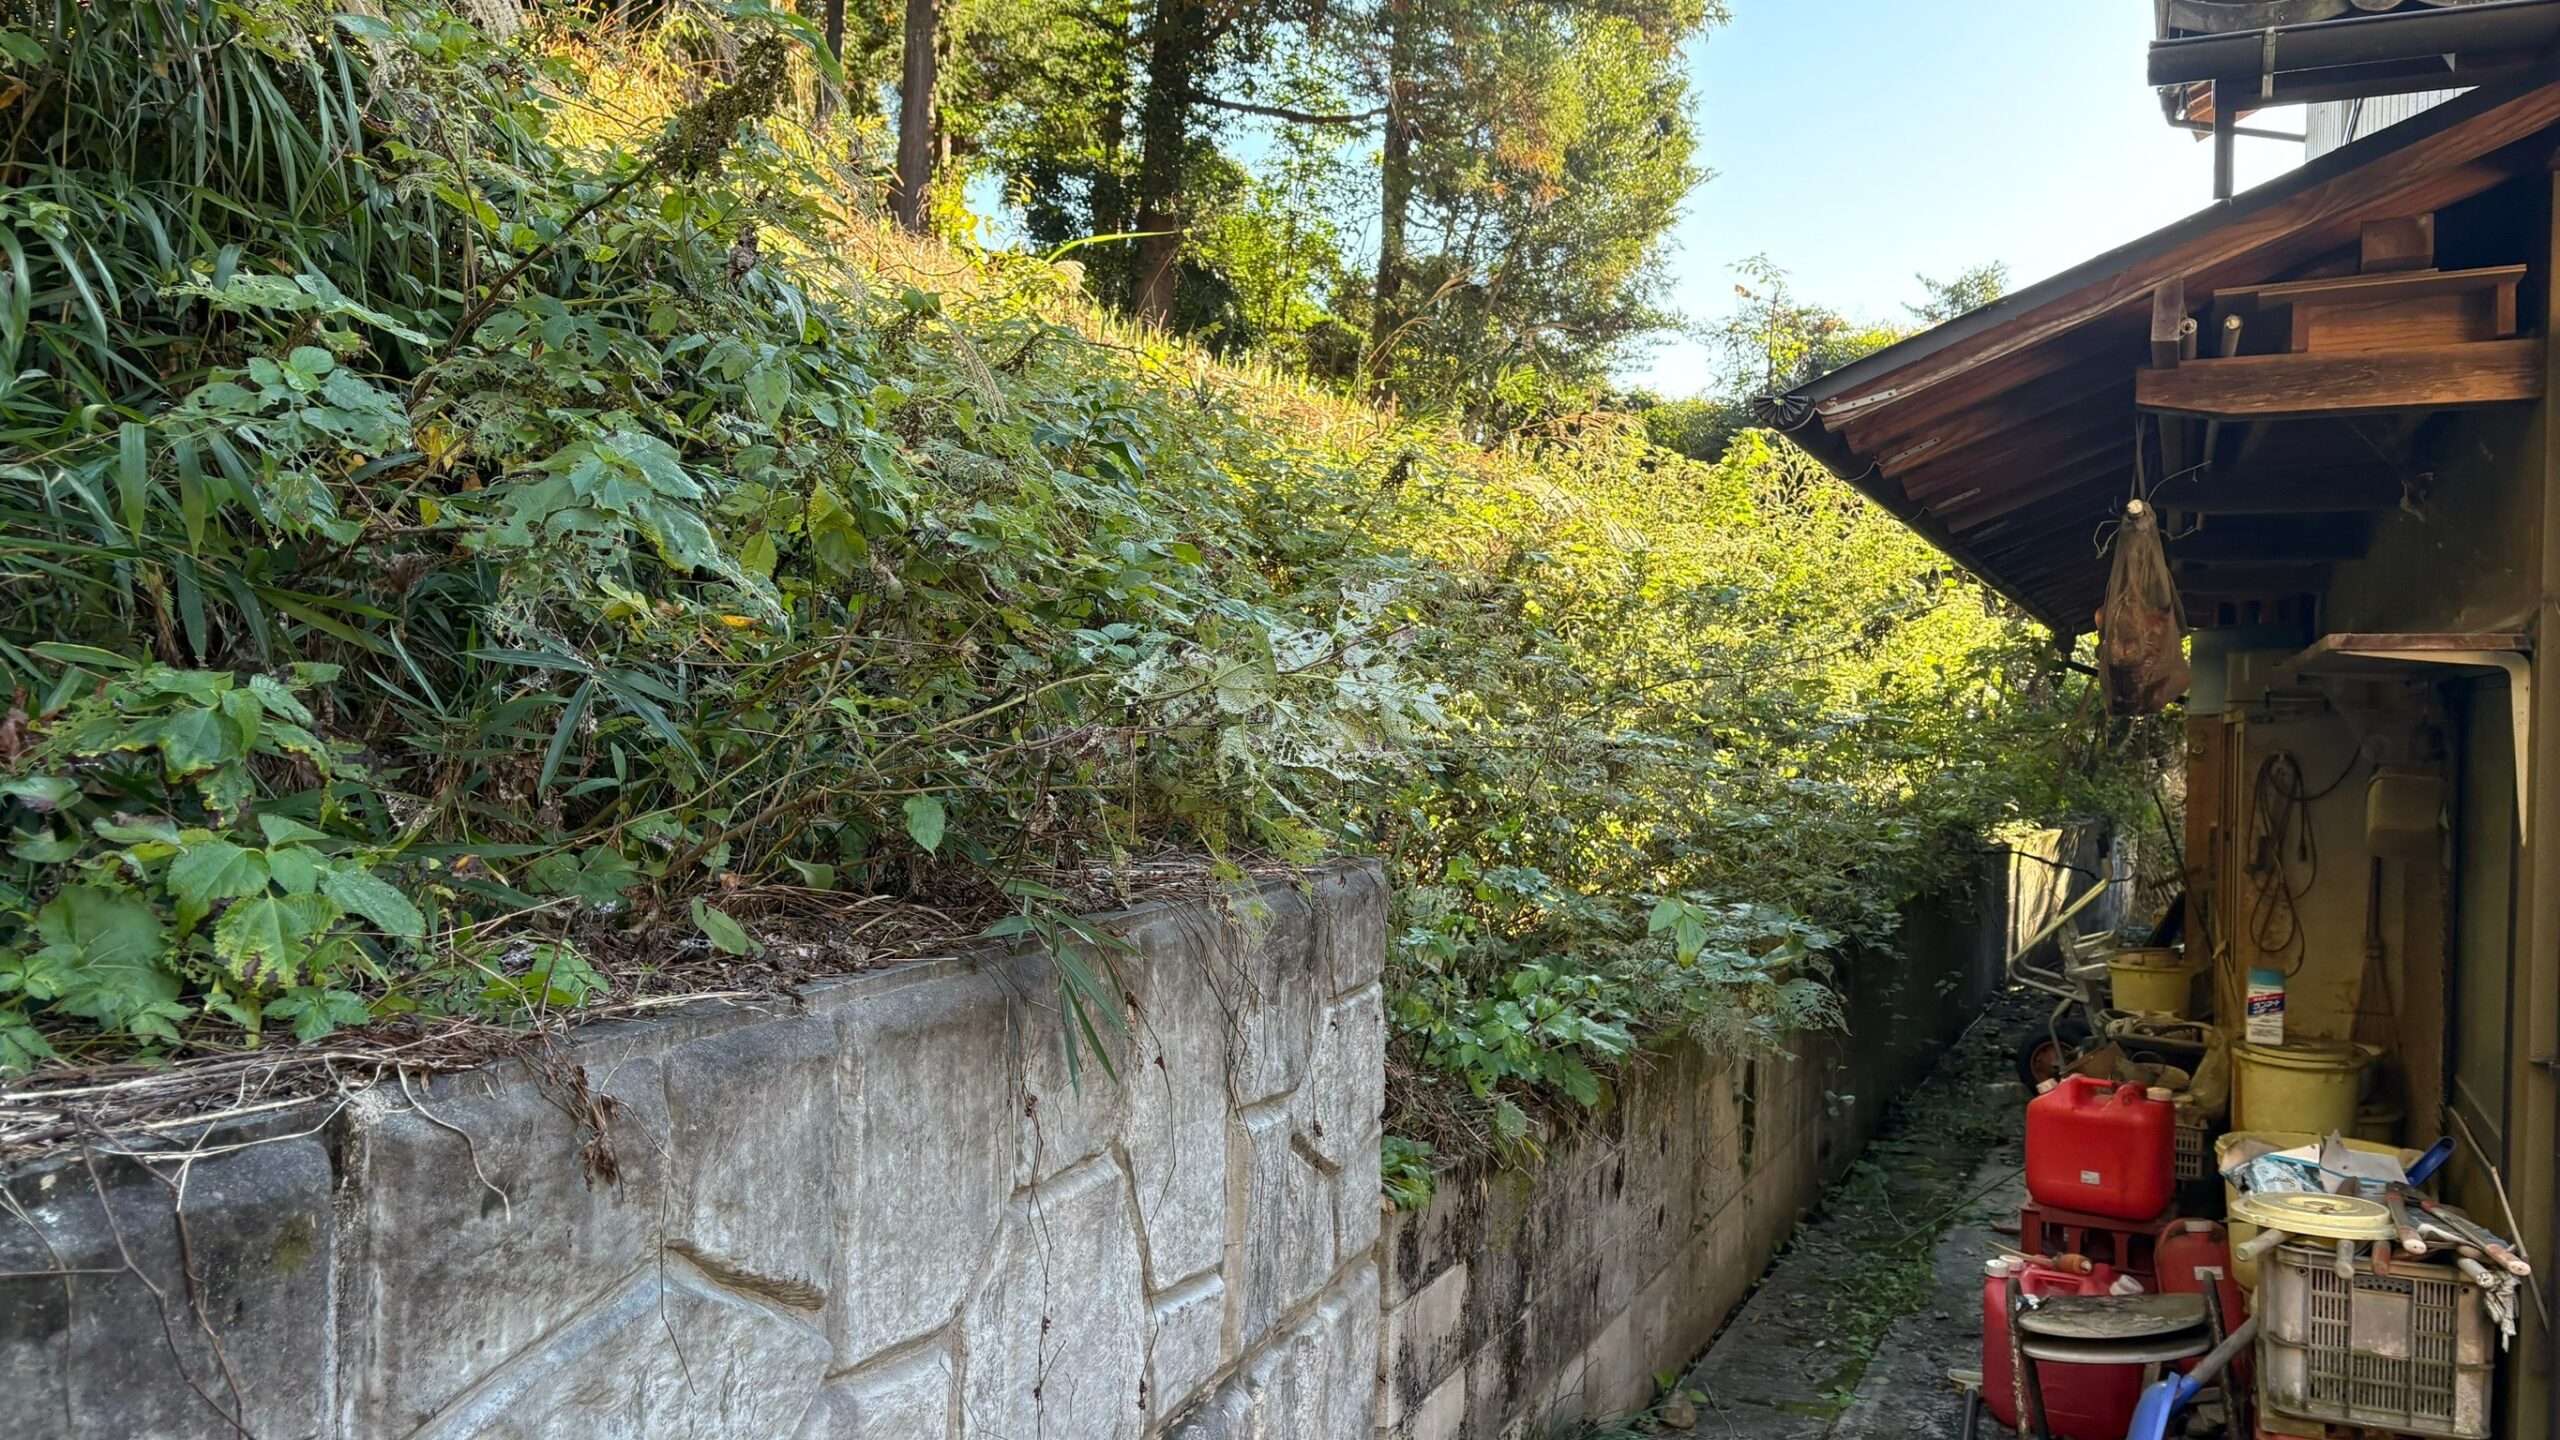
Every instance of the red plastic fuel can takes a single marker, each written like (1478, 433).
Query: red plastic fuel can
(2100, 1147)
(2081, 1402)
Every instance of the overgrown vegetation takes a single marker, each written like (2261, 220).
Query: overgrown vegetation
(473, 516)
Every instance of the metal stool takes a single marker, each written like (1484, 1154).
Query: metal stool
(2145, 1330)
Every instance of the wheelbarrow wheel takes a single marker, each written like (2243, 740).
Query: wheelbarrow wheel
(2040, 1059)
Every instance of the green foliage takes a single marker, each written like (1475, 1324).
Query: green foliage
(142, 889)
(1407, 1177)
(441, 535)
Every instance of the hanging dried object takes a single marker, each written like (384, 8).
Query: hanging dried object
(2142, 661)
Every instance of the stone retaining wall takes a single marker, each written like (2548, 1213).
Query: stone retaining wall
(882, 1210)
(1519, 1302)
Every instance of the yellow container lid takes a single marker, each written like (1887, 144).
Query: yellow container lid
(2334, 1217)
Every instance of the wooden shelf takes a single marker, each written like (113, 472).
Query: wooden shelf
(2392, 310)
(2370, 653)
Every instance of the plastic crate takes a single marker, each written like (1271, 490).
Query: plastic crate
(2195, 1139)
(2413, 1353)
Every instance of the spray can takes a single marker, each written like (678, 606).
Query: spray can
(2266, 1007)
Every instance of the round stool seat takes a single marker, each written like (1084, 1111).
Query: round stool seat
(2141, 1350)
(2108, 1318)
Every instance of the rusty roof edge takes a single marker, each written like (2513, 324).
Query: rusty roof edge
(2100, 268)
(1833, 454)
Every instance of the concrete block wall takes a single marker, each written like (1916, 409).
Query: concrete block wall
(879, 1210)
(1523, 1301)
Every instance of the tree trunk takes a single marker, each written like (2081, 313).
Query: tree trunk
(1395, 185)
(1177, 39)
(916, 148)
(827, 91)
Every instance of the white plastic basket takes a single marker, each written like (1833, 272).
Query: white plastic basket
(2413, 1353)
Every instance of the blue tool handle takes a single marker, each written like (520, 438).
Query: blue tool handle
(2432, 1161)
(2165, 1397)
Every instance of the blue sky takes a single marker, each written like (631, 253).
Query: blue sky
(1857, 141)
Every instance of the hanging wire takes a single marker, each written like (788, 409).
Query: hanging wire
(2280, 820)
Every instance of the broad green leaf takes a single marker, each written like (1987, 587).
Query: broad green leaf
(925, 820)
(361, 892)
(768, 390)
(266, 940)
(724, 932)
(40, 793)
(211, 870)
(46, 849)
(109, 950)
(285, 830)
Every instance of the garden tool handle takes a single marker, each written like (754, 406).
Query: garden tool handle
(2259, 1244)
(2345, 1264)
(2395, 1199)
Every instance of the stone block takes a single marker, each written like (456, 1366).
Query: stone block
(493, 1224)
(1174, 1131)
(1503, 1379)
(752, 1152)
(1056, 1332)
(1271, 970)
(1226, 1415)
(1614, 1376)
(93, 1356)
(1338, 1113)
(1069, 1109)
(1499, 1280)
(1285, 1218)
(1418, 1246)
(1425, 1344)
(667, 1355)
(905, 1398)
(1442, 1415)
(1186, 1342)
(1351, 904)
(1339, 1105)
(926, 1123)
(1351, 1319)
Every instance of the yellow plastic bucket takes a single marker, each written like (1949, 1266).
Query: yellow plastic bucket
(2151, 981)
(2238, 1145)
(2301, 1085)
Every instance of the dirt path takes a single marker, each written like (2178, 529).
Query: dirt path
(1851, 1334)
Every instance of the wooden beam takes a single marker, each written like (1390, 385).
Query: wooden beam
(2268, 387)
(2256, 542)
(2405, 243)
(2171, 326)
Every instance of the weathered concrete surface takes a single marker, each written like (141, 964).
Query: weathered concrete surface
(107, 1346)
(883, 1210)
(1518, 1303)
